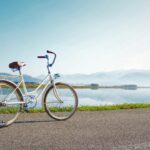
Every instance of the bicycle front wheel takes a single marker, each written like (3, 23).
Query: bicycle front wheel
(10, 103)
(60, 101)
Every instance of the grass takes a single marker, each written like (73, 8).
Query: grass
(3, 110)
(84, 108)
(114, 107)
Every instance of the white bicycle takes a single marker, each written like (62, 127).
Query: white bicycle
(59, 100)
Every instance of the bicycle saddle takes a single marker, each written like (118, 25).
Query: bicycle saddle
(16, 65)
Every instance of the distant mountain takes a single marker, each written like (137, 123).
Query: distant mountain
(4, 74)
(27, 78)
(138, 77)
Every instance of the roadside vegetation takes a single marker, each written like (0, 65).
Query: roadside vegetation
(114, 107)
(83, 108)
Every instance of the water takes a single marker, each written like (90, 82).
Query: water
(112, 96)
(109, 96)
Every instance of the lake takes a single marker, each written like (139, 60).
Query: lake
(111, 96)
(95, 97)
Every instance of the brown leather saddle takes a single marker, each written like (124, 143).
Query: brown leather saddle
(16, 65)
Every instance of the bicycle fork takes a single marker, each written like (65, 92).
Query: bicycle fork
(56, 94)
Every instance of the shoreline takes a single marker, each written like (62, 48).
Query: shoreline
(90, 108)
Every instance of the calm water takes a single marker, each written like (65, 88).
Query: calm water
(110, 96)
(113, 96)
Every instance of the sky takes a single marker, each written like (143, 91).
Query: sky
(88, 36)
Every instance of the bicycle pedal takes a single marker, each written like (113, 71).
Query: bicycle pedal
(26, 109)
(25, 105)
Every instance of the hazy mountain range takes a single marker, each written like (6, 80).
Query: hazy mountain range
(139, 77)
(27, 78)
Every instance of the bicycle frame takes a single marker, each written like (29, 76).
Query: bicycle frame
(48, 80)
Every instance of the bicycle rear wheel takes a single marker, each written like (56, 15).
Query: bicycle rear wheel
(60, 101)
(10, 103)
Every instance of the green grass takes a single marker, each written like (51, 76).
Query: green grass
(7, 110)
(84, 108)
(114, 107)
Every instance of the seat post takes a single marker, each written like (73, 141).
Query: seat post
(20, 72)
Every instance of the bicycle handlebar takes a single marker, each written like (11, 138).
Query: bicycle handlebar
(41, 57)
(50, 65)
(51, 52)
(46, 56)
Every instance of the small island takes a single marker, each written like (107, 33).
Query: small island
(97, 86)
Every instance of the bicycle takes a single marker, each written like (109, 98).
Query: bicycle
(59, 100)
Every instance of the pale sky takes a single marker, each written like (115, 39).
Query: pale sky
(88, 35)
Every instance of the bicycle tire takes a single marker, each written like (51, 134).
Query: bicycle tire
(8, 113)
(63, 91)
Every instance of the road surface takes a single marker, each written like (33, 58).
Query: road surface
(101, 130)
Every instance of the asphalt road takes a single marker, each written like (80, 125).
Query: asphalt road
(103, 130)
